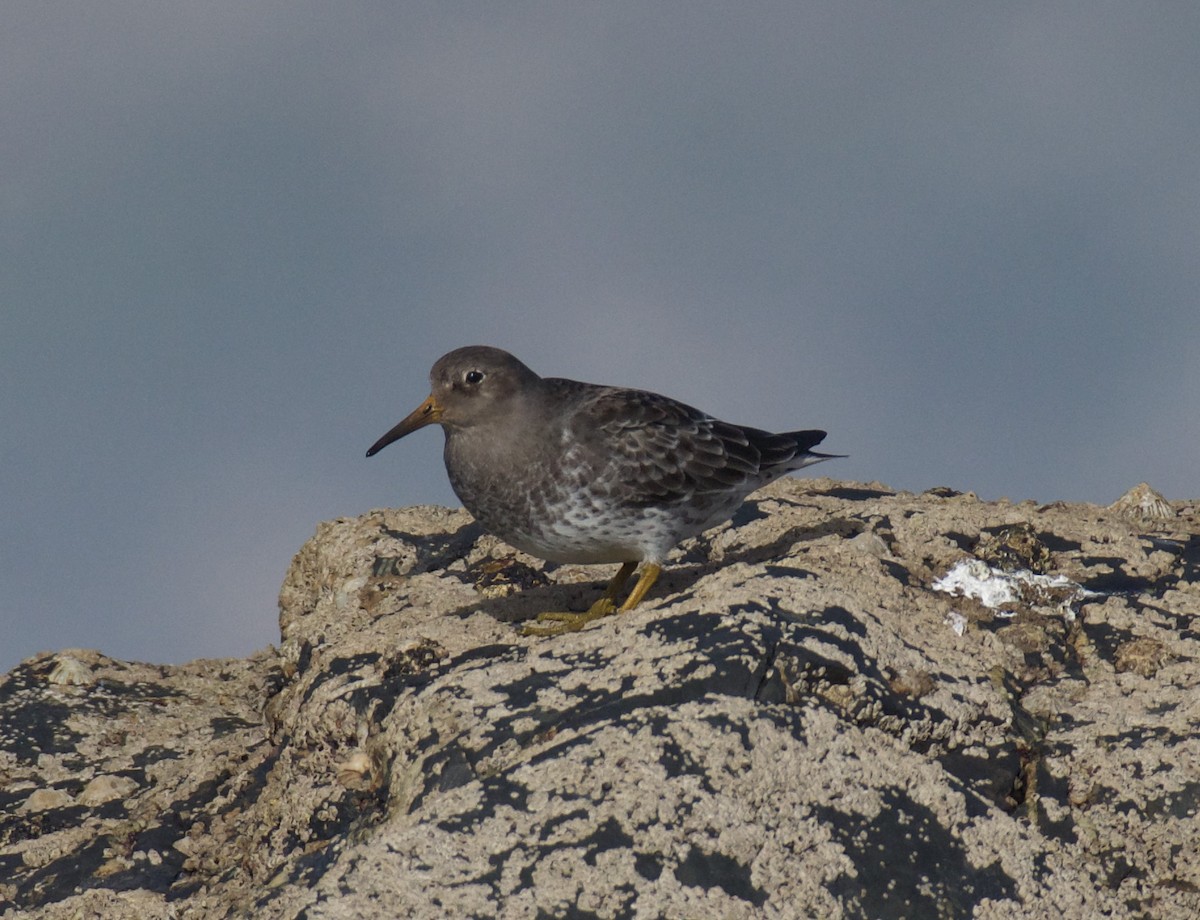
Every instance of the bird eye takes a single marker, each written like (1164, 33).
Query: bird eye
(473, 377)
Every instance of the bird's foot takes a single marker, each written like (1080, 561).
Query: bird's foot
(557, 624)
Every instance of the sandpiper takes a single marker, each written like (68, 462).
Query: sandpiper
(580, 473)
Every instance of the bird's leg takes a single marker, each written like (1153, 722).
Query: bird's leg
(645, 582)
(555, 624)
(617, 585)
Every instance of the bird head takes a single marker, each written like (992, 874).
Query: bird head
(468, 387)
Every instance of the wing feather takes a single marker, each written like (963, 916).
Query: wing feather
(652, 450)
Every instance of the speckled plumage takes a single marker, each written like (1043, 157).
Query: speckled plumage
(575, 472)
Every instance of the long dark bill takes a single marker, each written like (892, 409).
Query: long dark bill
(425, 414)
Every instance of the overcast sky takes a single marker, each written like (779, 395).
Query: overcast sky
(964, 238)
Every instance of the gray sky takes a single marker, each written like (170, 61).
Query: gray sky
(965, 239)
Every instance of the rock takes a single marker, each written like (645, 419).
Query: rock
(1142, 503)
(796, 723)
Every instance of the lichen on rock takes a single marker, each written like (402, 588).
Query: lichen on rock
(790, 726)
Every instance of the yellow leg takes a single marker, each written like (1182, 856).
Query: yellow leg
(645, 582)
(618, 581)
(555, 624)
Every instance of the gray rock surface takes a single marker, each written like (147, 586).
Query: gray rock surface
(797, 723)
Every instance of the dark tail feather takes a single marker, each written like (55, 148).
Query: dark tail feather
(804, 440)
(787, 451)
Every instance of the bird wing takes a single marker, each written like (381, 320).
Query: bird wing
(661, 451)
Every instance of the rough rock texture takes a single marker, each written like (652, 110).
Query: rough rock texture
(797, 723)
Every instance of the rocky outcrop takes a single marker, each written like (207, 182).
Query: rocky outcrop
(849, 702)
